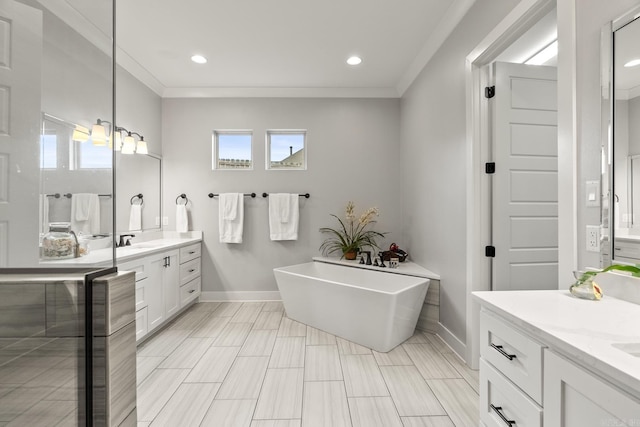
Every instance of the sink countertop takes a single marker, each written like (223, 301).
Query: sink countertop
(406, 268)
(584, 331)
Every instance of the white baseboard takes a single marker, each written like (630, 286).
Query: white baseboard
(210, 296)
(452, 341)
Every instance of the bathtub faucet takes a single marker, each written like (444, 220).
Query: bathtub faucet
(368, 262)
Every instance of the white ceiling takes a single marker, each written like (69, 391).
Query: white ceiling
(278, 47)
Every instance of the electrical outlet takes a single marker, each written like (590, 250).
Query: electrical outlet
(593, 238)
(157, 220)
(165, 220)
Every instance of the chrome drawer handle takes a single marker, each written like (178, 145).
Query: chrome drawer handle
(499, 349)
(192, 252)
(192, 270)
(498, 410)
(192, 291)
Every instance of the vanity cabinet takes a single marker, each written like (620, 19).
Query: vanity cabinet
(163, 299)
(190, 284)
(575, 397)
(141, 269)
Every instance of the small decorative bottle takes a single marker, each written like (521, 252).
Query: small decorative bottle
(60, 242)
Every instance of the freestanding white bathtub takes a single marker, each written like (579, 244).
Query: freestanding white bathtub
(375, 309)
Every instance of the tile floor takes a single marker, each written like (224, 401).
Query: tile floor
(246, 364)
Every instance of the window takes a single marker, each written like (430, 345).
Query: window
(48, 151)
(232, 150)
(286, 149)
(89, 156)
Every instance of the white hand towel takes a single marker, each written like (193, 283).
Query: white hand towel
(135, 217)
(182, 220)
(284, 215)
(231, 217)
(85, 213)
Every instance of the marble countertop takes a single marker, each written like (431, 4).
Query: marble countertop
(592, 334)
(407, 268)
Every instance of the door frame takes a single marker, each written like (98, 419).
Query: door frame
(516, 23)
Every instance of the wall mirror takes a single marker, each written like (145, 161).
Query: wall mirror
(138, 174)
(621, 127)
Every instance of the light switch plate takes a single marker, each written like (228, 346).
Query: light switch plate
(592, 190)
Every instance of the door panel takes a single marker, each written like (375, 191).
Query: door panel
(525, 185)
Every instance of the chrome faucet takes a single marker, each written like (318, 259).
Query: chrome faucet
(123, 242)
(368, 262)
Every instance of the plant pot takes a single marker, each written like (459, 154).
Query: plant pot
(351, 255)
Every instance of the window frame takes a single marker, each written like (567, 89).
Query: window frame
(270, 132)
(215, 149)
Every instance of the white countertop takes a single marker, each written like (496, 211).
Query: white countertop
(587, 332)
(407, 268)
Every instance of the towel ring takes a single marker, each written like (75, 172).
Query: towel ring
(182, 196)
(137, 196)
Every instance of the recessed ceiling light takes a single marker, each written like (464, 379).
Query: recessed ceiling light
(199, 59)
(354, 60)
(632, 63)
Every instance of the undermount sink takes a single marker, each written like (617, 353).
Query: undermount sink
(146, 245)
(631, 348)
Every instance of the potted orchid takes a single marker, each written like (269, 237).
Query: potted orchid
(353, 234)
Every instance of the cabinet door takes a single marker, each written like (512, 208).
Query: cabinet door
(574, 397)
(171, 284)
(154, 291)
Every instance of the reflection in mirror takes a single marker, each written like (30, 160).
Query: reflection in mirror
(138, 174)
(624, 200)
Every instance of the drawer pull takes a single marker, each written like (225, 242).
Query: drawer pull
(192, 291)
(192, 252)
(192, 270)
(498, 410)
(499, 349)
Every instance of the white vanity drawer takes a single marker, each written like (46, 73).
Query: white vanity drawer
(141, 293)
(501, 401)
(515, 355)
(190, 291)
(141, 323)
(190, 252)
(189, 270)
(138, 265)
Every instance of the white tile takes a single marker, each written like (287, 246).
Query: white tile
(143, 424)
(435, 421)
(187, 406)
(188, 354)
(214, 365)
(458, 399)
(429, 362)
(288, 352)
(396, 357)
(472, 376)
(244, 379)
(322, 363)
(210, 327)
(44, 414)
(417, 338)
(227, 309)
(248, 313)
(318, 337)
(348, 347)
(162, 344)
(204, 306)
(146, 365)
(362, 376)
(156, 390)
(273, 306)
(259, 343)
(325, 404)
(437, 343)
(281, 394)
(409, 391)
(374, 412)
(268, 320)
(291, 328)
(19, 400)
(189, 320)
(275, 423)
(230, 413)
(233, 335)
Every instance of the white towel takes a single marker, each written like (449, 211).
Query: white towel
(85, 213)
(44, 213)
(135, 217)
(231, 217)
(182, 220)
(284, 216)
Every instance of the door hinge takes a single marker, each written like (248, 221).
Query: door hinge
(490, 251)
(490, 167)
(489, 91)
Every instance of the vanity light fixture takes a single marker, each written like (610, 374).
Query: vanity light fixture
(199, 59)
(141, 148)
(632, 63)
(99, 134)
(128, 144)
(545, 54)
(354, 60)
(80, 134)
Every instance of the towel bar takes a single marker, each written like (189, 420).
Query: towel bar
(252, 195)
(305, 195)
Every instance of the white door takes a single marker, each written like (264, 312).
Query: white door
(20, 118)
(525, 183)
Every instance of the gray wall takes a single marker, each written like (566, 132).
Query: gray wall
(433, 161)
(353, 154)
